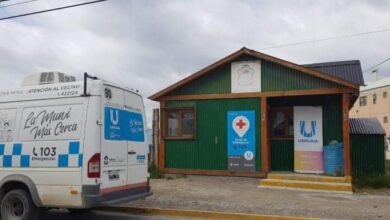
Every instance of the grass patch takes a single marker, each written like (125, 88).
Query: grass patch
(376, 182)
(373, 181)
(155, 173)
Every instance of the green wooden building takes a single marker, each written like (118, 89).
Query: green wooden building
(247, 103)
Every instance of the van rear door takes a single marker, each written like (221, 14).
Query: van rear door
(137, 147)
(113, 141)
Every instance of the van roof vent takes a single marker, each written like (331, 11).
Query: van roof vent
(47, 78)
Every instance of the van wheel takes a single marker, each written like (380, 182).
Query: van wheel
(18, 205)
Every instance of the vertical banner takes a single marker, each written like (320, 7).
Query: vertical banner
(241, 140)
(308, 144)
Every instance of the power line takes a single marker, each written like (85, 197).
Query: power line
(376, 65)
(53, 9)
(19, 3)
(326, 39)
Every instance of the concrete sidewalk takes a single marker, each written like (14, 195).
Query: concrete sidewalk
(242, 195)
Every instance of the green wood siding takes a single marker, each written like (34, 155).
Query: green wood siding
(215, 82)
(331, 119)
(208, 150)
(275, 77)
(282, 155)
(367, 155)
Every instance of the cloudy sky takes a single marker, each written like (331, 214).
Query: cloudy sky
(148, 45)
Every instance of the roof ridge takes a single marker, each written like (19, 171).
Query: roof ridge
(342, 62)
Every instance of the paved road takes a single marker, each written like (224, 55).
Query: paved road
(98, 215)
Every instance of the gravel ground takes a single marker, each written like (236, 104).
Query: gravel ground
(231, 194)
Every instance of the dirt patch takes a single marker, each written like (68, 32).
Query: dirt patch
(233, 194)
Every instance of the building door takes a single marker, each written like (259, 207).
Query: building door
(281, 138)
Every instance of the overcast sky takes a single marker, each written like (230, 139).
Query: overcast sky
(148, 45)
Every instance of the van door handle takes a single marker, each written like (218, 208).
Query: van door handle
(131, 152)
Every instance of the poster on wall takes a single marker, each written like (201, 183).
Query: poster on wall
(246, 76)
(308, 156)
(241, 140)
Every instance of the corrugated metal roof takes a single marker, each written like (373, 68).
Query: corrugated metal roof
(365, 126)
(376, 84)
(350, 70)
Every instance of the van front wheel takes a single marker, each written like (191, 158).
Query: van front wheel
(18, 205)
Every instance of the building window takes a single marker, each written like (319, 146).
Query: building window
(385, 119)
(179, 123)
(384, 95)
(282, 126)
(363, 101)
(374, 98)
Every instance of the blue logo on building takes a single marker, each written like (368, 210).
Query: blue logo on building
(303, 129)
(308, 136)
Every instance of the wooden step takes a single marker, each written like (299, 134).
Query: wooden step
(307, 185)
(308, 177)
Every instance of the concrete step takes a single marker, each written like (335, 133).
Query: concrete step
(307, 185)
(308, 177)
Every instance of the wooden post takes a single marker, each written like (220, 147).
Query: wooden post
(156, 141)
(265, 156)
(161, 150)
(346, 141)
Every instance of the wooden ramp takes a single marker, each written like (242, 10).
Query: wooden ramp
(307, 182)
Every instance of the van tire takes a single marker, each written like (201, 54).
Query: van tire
(18, 205)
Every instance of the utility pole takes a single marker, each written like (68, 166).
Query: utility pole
(156, 121)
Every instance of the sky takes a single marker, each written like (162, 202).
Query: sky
(149, 45)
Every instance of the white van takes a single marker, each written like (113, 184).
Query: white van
(72, 145)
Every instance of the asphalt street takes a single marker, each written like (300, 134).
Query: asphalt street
(98, 215)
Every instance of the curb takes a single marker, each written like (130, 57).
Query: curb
(198, 213)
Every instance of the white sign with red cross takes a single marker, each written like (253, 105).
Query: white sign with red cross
(241, 125)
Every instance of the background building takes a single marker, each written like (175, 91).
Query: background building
(374, 101)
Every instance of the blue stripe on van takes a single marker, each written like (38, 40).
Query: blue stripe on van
(74, 158)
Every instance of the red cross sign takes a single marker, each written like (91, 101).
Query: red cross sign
(240, 125)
